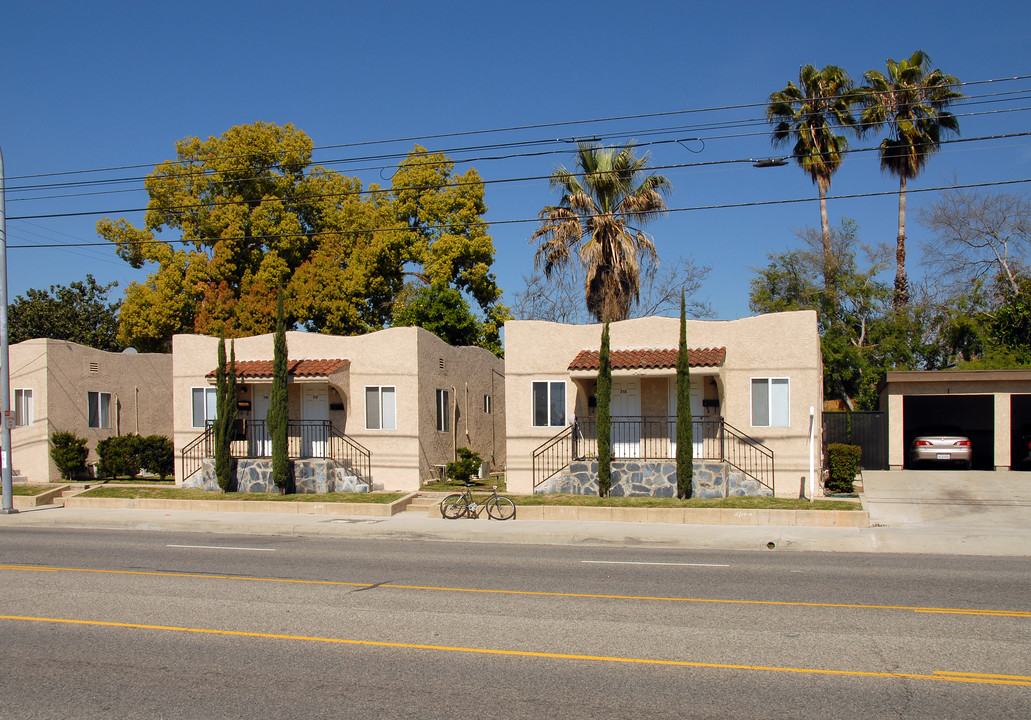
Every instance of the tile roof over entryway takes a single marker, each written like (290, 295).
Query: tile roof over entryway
(650, 359)
(262, 369)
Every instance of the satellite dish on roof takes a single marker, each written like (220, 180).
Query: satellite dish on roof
(130, 351)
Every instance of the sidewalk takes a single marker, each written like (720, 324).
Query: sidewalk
(921, 538)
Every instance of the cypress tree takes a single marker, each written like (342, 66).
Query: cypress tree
(604, 415)
(278, 417)
(225, 415)
(685, 441)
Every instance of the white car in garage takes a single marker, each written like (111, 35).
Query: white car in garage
(941, 444)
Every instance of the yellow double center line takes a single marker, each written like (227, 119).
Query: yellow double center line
(534, 593)
(943, 675)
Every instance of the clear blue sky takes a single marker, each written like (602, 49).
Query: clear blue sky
(107, 84)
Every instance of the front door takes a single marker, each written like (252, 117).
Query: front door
(261, 440)
(626, 418)
(315, 413)
(696, 412)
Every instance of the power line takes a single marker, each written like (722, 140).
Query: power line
(743, 123)
(485, 224)
(514, 128)
(360, 193)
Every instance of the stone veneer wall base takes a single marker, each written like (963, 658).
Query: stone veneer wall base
(655, 478)
(312, 476)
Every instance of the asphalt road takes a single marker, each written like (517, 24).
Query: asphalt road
(97, 624)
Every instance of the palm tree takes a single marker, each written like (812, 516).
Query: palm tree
(594, 221)
(913, 101)
(809, 113)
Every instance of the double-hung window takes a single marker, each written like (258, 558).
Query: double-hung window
(443, 410)
(22, 407)
(549, 404)
(99, 409)
(380, 411)
(770, 402)
(205, 405)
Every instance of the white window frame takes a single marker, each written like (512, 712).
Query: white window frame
(23, 407)
(555, 395)
(384, 406)
(208, 405)
(775, 414)
(103, 419)
(443, 410)
(488, 404)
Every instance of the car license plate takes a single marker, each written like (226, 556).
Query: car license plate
(943, 456)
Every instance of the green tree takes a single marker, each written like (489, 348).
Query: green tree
(278, 417)
(809, 114)
(225, 415)
(913, 101)
(604, 415)
(593, 224)
(1006, 328)
(443, 311)
(860, 337)
(80, 312)
(685, 423)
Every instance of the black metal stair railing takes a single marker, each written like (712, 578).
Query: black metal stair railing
(305, 439)
(654, 438)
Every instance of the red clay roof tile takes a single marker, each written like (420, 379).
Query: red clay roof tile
(262, 369)
(650, 359)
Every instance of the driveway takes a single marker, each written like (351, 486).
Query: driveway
(983, 498)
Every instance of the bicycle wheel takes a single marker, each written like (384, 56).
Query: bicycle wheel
(453, 506)
(501, 508)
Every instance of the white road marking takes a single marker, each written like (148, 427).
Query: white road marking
(221, 547)
(625, 562)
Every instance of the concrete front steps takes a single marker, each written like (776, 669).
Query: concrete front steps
(426, 504)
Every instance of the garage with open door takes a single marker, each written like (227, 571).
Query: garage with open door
(1020, 412)
(992, 408)
(972, 415)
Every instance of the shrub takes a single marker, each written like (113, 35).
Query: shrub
(844, 464)
(120, 456)
(462, 469)
(157, 455)
(69, 453)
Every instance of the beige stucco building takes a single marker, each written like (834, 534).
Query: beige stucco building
(402, 394)
(759, 378)
(58, 385)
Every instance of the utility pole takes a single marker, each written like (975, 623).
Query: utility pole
(5, 365)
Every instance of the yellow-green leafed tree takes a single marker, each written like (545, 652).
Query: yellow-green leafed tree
(440, 215)
(236, 216)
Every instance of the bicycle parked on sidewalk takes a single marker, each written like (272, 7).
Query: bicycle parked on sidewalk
(461, 504)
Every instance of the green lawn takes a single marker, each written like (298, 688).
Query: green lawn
(30, 490)
(747, 503)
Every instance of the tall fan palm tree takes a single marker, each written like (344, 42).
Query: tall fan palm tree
(912, 100)
(594, 222)
(810, 113)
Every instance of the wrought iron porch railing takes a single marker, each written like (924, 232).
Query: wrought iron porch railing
(654, 438)
(305, 439)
